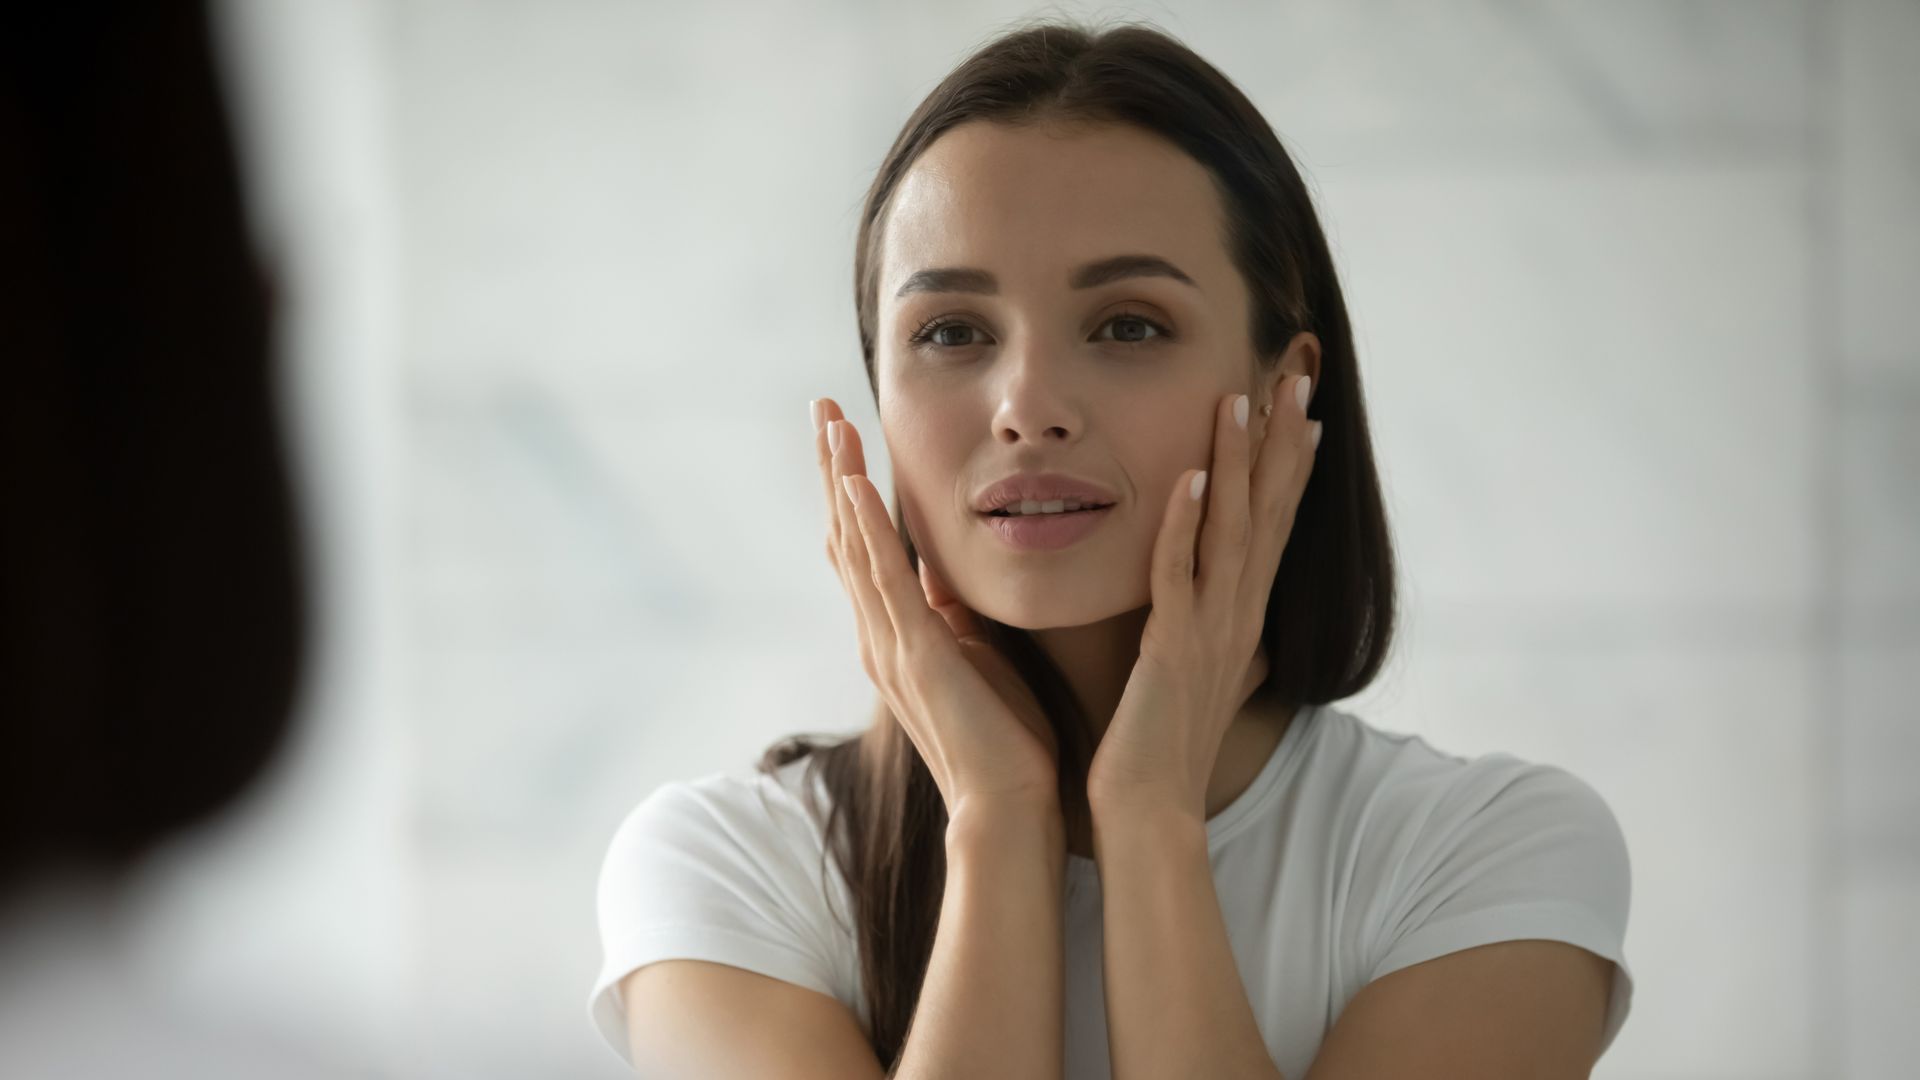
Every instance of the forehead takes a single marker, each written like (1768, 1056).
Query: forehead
(1028, 203)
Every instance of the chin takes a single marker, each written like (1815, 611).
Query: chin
(1025, 610)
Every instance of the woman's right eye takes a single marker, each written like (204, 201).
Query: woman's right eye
(930, 332)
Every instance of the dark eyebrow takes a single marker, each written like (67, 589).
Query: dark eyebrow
(969, 280)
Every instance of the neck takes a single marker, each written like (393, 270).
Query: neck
(1096, 659)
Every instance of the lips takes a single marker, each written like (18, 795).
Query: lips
(1040, 487)
(1045, 532)
(1007, 511)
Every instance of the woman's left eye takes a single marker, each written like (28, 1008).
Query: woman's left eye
(1142, 320)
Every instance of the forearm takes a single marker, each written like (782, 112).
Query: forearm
(993, 1001)
(1176, 1005)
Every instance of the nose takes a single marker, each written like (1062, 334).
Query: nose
(1036, 404)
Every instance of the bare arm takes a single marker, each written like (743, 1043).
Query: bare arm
(993, 1002)
(1176, 1005)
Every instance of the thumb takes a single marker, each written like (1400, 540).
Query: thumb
(941, 599)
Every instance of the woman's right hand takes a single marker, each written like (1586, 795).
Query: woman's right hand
(976, 723)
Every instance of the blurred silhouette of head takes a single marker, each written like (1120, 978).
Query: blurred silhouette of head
(152, 617)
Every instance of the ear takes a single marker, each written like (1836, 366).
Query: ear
(1301, 358)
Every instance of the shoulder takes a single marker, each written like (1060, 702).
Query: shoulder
(761, 818)
(1454, 852)
(1519, 831)
(1538, 817)
(1491, 843)
(728, 868)
(734, 855)
(1403, 794)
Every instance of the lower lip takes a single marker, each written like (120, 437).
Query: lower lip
(1046, 532)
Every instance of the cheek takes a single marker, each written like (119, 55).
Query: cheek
(1156, 461)
(1154, 465)
(928, 504)
(913, 512)
(928, 458)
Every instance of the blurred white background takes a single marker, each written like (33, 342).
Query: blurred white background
(1633, 286)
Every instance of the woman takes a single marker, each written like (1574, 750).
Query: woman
(1102, 822)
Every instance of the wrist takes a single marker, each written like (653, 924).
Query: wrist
(1145, 806)
(1142, 827)
(996, 820)
(1139, 815)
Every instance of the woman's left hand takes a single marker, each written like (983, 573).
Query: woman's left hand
(1200, 654)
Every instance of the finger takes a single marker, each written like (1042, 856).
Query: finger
(846, 460)
(827, 410)
(1279, 459)
(854, 449)
(1171, 580)
(876, 626)
(891, 576)
(837, 537)
(1279, 480)
(960, 618)
(1226, 527)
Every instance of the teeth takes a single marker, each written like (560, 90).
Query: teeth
(1033, 506)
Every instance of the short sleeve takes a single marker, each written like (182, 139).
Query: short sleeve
(1515, 850)
(706, 870)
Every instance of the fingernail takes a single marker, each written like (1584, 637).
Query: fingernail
(1240, 411)
(1314, 434)
(833, 435)
(1302, 390)
(1198, 485)
(813, 411)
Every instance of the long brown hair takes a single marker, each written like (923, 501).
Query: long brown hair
(1330, 613)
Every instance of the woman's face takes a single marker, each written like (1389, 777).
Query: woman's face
(1115, 382)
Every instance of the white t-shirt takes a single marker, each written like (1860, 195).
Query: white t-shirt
(1355, 852)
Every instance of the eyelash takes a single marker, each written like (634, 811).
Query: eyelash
(925, 334)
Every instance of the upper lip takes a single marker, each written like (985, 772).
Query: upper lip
(1040, 487)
